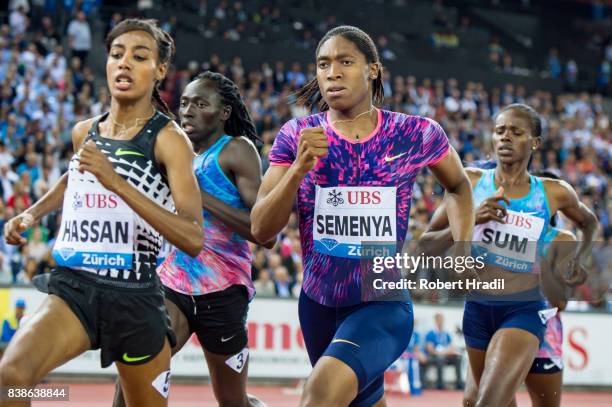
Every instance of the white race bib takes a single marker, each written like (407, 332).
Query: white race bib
(97, 227)
(346, 217)
(511, 245)
(238, 361)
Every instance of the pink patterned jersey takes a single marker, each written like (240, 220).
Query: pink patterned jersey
(225, 259)
(360, 192)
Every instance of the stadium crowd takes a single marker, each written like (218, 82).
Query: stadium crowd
(46, 88)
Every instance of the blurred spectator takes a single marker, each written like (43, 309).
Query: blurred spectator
(415, 348)
(571, 74)
(15, 4)
(37, 247)
(554, 64)
(264, 286)
(6, 157)
(11, 324)
(282, 282)
(79, 37)
(383, 48)
(30, 165)
(495, 47)
(18, 20)
(202, 7)
(441, 352)
(506, 66)
(598, 10)
(171, 26)
(603, 77)
(55, 62)
(115, 19)
(20, 199)
(144, 5)
(49, 37)
(296, 76)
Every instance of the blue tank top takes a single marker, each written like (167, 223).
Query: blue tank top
(225, 259)
(513, 246)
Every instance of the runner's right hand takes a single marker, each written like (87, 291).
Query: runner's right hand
(16, 226)
(491, 209)
(312, 146)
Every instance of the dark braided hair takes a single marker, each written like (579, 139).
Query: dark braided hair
(240, 122)
(534, 118)
(165, 49)
(310, 94)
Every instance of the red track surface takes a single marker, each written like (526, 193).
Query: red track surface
(101, 395)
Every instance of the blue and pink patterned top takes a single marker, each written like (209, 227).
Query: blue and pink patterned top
(225, 259)
(361, 192)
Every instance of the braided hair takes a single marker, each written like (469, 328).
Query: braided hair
(240, 122)
(165, 49)
(310, 94)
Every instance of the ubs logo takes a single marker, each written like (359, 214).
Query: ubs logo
(335, 198)
(77, 201)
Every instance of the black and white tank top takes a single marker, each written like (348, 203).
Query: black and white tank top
(99, 233)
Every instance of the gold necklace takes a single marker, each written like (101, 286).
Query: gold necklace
(125, 128)
(369, 111)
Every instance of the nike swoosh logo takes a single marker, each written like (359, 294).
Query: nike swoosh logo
(121, 152)
(128, 359)
(226, 339)
(345, 341)
(395, 157)
(549, 366)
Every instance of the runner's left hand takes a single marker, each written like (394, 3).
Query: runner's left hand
(93, 160)
(576, 275)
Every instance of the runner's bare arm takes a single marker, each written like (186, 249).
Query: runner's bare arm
(281, 183)
(183, 229)
(274, 202)
(49, 202)
(459, 200)
(243, 161)
(54, 198)
(568, 203)
(438, 228)
(554, 268)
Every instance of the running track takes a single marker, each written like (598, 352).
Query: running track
(101, 395)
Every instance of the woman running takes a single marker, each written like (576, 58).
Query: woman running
(130, 170)
(545, 378)
(352, 169)
(503, 332)
(209, 294)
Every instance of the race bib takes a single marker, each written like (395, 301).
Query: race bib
(238, 361)
(512, 245)
(347, 217)
(97, 227)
